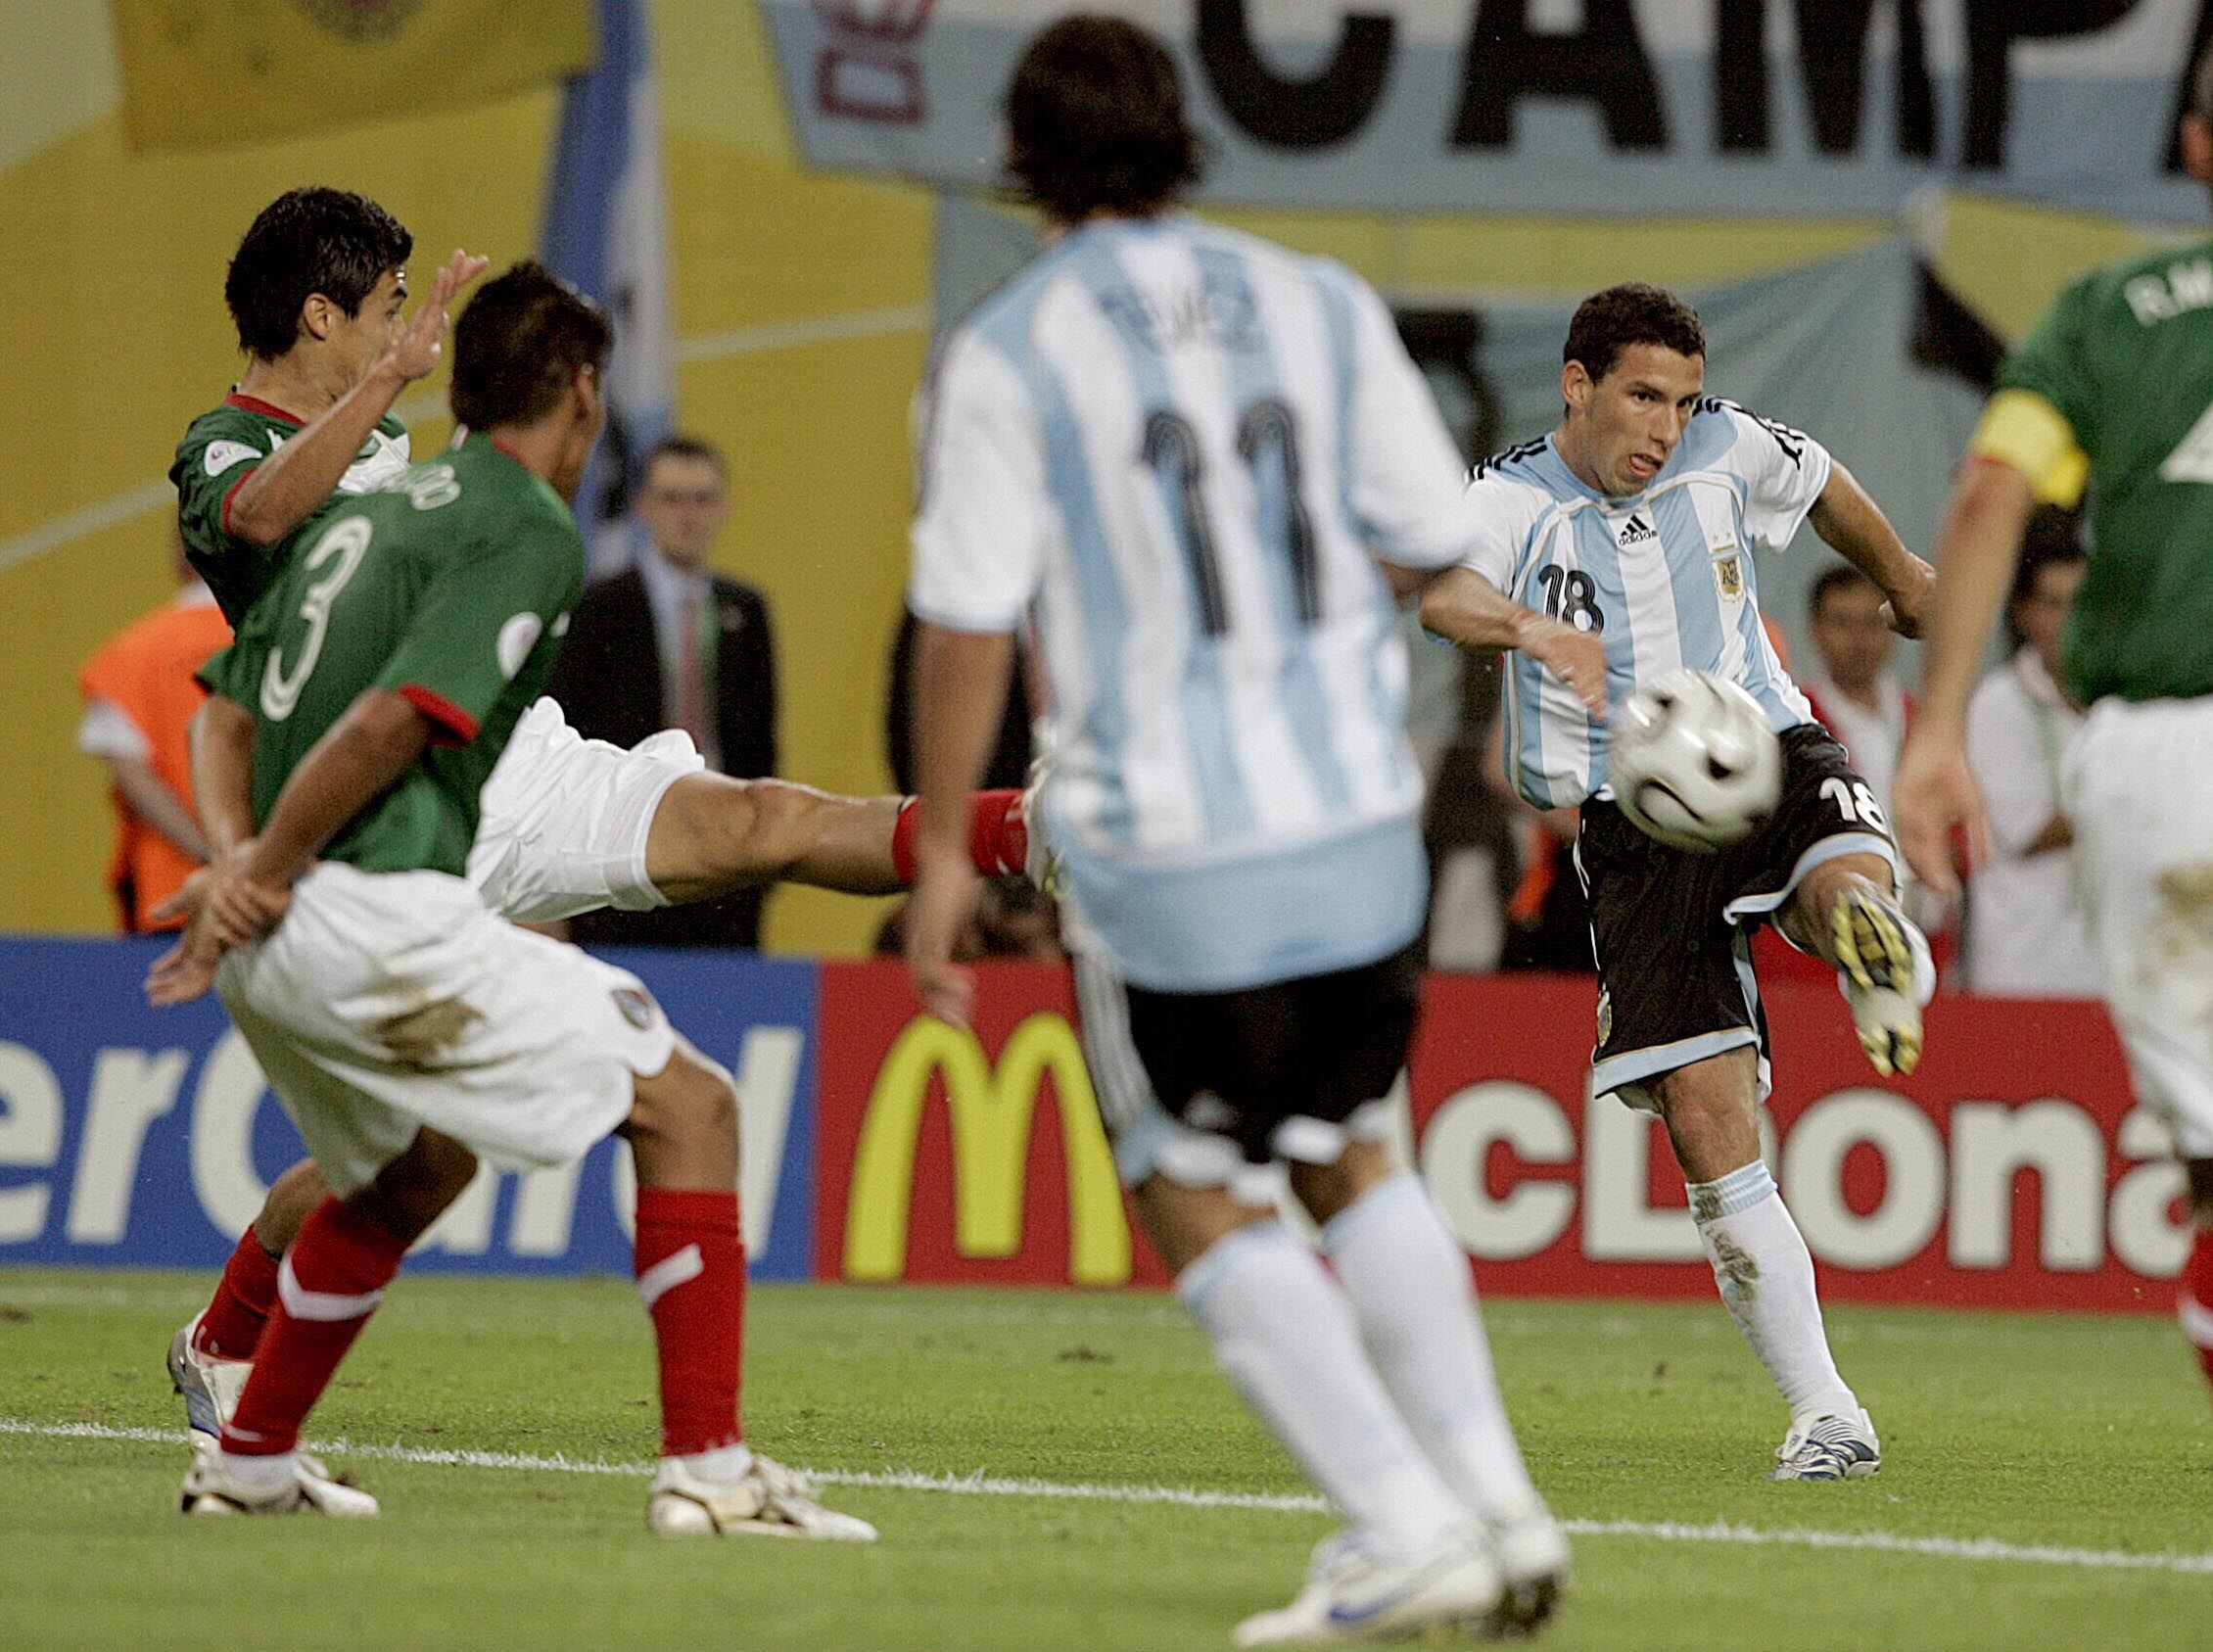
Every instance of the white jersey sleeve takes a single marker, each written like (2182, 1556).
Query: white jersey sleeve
(1407, 473)
(982, 527)
(1501, 512)
(1784, 472)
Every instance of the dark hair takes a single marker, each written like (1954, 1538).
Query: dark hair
(2201, 86)
(307, 241)
(2052, 539)
(1836, 577)
(681, 447)
(1634, 313)
(1095, 121)
(519, 344)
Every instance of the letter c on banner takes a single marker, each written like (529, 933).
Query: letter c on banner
(1532, 1214)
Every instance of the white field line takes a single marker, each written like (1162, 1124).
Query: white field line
(986, 1486)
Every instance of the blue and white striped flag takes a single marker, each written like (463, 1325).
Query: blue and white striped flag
(606, 230)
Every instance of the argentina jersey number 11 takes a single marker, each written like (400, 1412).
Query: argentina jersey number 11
(1267, 430)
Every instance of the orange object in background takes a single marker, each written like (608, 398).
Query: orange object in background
(142, 683)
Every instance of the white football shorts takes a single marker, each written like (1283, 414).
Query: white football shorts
(564, 820)
(2136, 783)
(522, 1046)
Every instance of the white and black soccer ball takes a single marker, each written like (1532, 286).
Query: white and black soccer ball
(1695, 763)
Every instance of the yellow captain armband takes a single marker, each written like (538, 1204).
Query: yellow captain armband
(2021, 428)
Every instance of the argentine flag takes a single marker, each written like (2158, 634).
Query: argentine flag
(606, 231)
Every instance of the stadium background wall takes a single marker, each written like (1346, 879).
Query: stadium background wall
(2013, 1170)
(803, 306)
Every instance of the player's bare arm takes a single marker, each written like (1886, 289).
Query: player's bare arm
(959, 694)
(1462, 607)
(221, 739)
(151, 799)
(288, 486)
(1978, 545)
(378, 739)
(1852, 525)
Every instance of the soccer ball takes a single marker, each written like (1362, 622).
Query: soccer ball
(1695, 763)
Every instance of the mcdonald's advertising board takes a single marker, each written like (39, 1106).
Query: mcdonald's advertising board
(2011, 1170)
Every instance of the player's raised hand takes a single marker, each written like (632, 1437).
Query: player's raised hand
(945, 895)
(416, 350)
(1576, 657)
(1934, 792)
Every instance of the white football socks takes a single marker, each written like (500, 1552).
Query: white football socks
(1284, 1331)
(1411, 1293)
(1766, 1275)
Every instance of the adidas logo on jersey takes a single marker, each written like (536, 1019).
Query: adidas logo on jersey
(1635, 531)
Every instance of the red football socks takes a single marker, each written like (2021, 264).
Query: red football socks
(231, 1327)
(999, 836)
(328, 1285)
(2196, 1299)
(691, 1266)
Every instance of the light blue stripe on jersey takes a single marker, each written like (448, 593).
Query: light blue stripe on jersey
(1337, 311)
(1601, 560)
(1222, 799)
(1259, 918)
(1005, 326)
(1253, 379)
(1690, 572)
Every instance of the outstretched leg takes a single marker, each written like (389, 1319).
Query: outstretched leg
(713, 834)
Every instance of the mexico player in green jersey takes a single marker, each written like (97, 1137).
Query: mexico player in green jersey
(2113, 392)
(409, 1032)
(567, 824)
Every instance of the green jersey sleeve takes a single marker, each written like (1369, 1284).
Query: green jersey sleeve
(486, 620)
(2052, 362)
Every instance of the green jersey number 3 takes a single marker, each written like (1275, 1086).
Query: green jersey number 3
(348, 541)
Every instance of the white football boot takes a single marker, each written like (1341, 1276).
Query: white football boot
(1886, 973)
(210, 1386)
(767, 1500)
(1829, 1447)
(208, 1488)
(1353, 1593)
(1531, 1552)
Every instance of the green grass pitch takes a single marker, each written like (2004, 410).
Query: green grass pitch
(1031, 1428)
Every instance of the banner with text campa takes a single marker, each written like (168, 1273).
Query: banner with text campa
(2013, 1170)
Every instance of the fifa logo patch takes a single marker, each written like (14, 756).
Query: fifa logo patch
(637, 1007)
(1728, 574)
(1605, 1016)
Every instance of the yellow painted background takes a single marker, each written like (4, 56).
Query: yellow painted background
(800, 309)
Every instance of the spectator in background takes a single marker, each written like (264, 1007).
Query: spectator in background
(1852, 691)
(672, 645)
(140, 692)
(2026, 933)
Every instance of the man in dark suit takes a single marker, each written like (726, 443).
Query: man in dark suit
(672, 645)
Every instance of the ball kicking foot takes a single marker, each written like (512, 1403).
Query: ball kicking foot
(766, 1500)
(210, 1488)
(1884, 967)
(1830, 1448)
(1354, 1593)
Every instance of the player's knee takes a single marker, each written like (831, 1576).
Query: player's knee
(690, 1106)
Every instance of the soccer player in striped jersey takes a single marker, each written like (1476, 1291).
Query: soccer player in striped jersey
(1195, 462)
(315, 292)
(1634, 521)
(2112, 394)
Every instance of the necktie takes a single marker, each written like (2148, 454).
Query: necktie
(691, 684)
